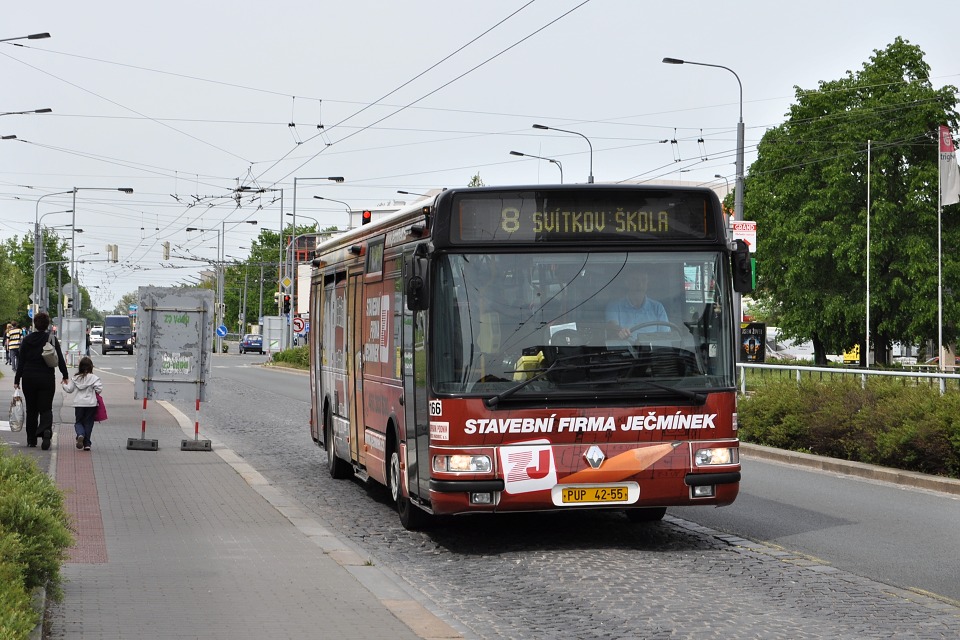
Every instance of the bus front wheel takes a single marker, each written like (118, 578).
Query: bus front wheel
(338, 467)
(411, 517)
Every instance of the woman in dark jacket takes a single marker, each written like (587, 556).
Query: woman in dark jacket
(39, 382)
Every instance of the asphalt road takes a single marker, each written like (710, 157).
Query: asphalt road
(594, 574)
(898, 535)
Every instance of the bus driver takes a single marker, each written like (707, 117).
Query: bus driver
(635, 308)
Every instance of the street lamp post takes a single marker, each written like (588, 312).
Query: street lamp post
(727, 182)
(349, 210)
(316, 225)
(43, 265)
(38, 249)
(738, 195)
(556, 162)
(546, 128)
(221, 308)
(73, 222)
(218, 269)
(23, 113)
(292, 272)
(41, 279)
(33, 36)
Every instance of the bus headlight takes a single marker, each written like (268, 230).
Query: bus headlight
(462, 462)
(719, 455)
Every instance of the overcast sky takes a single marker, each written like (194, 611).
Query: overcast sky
(184, 101)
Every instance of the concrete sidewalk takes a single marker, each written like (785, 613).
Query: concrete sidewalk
(194, 544)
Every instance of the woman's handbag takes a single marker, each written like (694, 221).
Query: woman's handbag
(17, 410)
(101, 413)
(50, 353)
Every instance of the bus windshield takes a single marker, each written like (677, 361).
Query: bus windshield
(581, 324)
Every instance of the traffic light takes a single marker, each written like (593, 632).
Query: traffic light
(366, 216)
(286, 303)
(68, 302)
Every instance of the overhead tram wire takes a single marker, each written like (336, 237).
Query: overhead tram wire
(425, 96)
(130, 109)
(287, 94)
(853, 88)
(388, 94)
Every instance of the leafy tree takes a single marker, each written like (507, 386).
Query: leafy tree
(123, 306)
(808, 193)
(14, 288)
(475, 181)
(18, 256)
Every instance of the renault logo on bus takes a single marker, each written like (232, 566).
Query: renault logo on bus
(594, 456)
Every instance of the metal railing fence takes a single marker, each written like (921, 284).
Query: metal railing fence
(801, 372)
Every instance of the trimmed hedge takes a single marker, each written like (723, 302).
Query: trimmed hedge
(887, 423)
(34, 537)
(298, 357)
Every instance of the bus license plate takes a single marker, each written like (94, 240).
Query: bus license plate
(592, 495)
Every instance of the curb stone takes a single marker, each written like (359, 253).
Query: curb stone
(858, 469)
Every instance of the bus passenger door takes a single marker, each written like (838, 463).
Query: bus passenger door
(357, 313)
(417, 416)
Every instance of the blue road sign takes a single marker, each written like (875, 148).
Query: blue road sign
(222, 331)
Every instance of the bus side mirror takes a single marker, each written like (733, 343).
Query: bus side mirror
(416, 288)
(742, 268)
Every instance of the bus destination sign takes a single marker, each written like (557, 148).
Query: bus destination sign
(603, 217)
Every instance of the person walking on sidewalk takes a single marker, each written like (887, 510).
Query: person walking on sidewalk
(39, 383)
(88, 386)
(14, 336)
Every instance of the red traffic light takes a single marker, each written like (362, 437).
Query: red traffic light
(367, 216)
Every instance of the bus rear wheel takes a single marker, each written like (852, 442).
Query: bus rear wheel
(338, 467)
(411, 517)
(647, 514)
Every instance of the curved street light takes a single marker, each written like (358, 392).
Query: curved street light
(33, 36)
(349, 210)
(292, 273)
(530, 155)
(738, 196)
(23, 113)
(316, 225)
(73, 221)
(38, 252)
(576, 133)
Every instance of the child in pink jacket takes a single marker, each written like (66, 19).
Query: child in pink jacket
(87, 387)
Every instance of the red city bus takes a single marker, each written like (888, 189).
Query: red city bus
(531, 348)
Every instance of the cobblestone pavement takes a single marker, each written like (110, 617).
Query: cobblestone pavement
(574, 575)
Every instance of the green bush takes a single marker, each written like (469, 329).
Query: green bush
(888, 423)
(34, 530)
(17, 617)
(298, 357)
